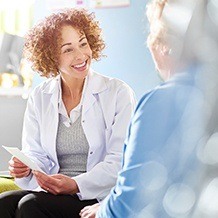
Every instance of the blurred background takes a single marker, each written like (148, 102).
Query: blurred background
(125, 30)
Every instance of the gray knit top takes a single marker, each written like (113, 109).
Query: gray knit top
(72, 148)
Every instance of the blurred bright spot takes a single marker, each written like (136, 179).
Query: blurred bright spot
(212, 10)
(178, 15)
(208, 154)
(209, 200)
(15, 4)
(153, 176)
(179, 200)
(145, 213)
(207, 51)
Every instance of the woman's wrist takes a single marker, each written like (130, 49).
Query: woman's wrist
(75, 187)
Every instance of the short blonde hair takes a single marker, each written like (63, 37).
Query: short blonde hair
(42, 46)
(158, 29)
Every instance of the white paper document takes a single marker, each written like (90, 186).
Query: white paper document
(16, 152)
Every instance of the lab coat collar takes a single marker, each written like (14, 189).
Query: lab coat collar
(52, 85)
(95, 85)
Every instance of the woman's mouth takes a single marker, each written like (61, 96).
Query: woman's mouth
(81, 66)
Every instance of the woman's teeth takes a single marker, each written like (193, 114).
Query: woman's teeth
(80, 65)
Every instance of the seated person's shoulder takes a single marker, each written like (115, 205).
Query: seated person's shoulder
(170, 96)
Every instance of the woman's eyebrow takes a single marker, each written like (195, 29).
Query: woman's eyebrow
(66, 44)
(69, 43)
(82, 38)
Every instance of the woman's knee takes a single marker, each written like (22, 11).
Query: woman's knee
(8, 203)
(4, 200)
(30, 206)
(26, 202)
(9, 197)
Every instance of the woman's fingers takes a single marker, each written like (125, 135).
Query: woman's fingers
(46, 182)
(17, 169)
(89, 211)
(19, 173)
(14, 162)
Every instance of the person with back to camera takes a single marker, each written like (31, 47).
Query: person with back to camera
(170, 154)
(74, 125)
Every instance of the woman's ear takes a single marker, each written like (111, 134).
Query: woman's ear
(165, 50)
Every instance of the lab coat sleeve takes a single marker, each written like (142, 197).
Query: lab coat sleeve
(98, 182)
(31, 145)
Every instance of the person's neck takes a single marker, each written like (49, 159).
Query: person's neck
(72, 88)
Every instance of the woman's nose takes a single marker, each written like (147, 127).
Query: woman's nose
(79, 54)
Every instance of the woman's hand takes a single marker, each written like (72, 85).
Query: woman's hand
(56, 184)
(18, 169)
(89, 211)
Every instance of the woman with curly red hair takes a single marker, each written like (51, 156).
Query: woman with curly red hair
(74, 124)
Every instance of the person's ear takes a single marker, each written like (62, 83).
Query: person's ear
(165, 50)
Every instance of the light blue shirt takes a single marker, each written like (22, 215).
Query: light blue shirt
(160, 170)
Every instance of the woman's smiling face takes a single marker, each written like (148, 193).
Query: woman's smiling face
(76, 54)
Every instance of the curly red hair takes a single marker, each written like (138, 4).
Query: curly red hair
(42, 46)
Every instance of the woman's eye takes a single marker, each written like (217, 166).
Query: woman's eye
(84, 44)
(68, 50)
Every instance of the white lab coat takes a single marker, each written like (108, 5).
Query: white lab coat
(107, 107)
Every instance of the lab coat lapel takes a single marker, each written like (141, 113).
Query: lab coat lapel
(89, 100)
(95, 85)
(53, 90)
